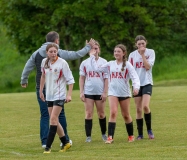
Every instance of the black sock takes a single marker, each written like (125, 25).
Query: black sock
(139, 123)
(111, 128)
(148, 120)
(51, 135)
(102, 123)
(88, 127)
(63, 140)
(129, 128)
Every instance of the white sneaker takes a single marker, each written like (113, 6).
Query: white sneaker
(44, 146)
(88, 139)
(70, 141)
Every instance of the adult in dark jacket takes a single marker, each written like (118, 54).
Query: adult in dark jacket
(35, 61)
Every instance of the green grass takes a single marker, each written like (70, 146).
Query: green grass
(19, 130)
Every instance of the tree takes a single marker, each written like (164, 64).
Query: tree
(108, 21)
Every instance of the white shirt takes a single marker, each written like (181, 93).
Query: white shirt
(94, 81)
(119, 80)
(136, 60)
(56, 78)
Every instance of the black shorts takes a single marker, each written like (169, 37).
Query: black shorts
(122, 98)
(56, 103)
(147, 89)
(94, 97)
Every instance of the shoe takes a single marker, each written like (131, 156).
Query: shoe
(44, 146)
(66, 147)
(104, 137)
(47, 150)
(130, 138)
(109, 140)
(139, 137)
(150, 134)
(70, 141)
(88, 139)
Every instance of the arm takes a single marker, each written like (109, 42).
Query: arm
(69, 93)
(42, 83)
(104, 95)
(81, 87)
(29, 66)
(134, 77)
(72, 55)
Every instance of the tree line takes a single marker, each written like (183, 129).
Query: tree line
(110, 22)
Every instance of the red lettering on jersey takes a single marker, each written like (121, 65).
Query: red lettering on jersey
(120, 75)
(126, 72)
(90, 74)
(140, 65)
(97, 74)
(114, 75)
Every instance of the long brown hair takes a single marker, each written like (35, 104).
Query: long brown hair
(124, 49)
(47, 48)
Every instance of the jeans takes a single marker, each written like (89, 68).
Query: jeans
(44, 119)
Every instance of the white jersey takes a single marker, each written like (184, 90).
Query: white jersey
(119, 80)
(57, 76)
(136, 60)
(94, 81)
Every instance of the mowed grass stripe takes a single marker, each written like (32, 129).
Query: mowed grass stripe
(19, 129)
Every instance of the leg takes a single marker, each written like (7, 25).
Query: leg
(113, 104)
(125, 111)
(100, 106)
(139, 118)
(89, 107)
(63, 122)
(147, 114)
(44, 119)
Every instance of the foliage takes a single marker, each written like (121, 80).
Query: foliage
(108, 21)
(20, 140)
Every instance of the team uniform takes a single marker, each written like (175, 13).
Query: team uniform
(57, 76)
(146, 81)
(119, 87)
(93, 89)
(119, 80)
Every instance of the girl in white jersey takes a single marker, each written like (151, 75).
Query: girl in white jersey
(93, 90)
(143, 60)
(119, 89)
(55, 75)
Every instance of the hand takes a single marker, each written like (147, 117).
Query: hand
(142, 50)
(42, 97)
(104, 96)
(82, 97)
(68, 99)
(91, 42)
(24, 85)
(135, 92)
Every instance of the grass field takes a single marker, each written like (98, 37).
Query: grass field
(19, 130)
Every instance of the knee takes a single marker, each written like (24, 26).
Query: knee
(113, 115)
(101, 115)
(53, 120)
(139, 110)
(88, 115)
(146, 109)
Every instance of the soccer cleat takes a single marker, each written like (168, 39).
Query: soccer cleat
(70, 141)
(47, 150)
(130, 138)
(150, 134)
(66, 147)
(109, 140)
(104, 137)
(88, 139)
(140, 137)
